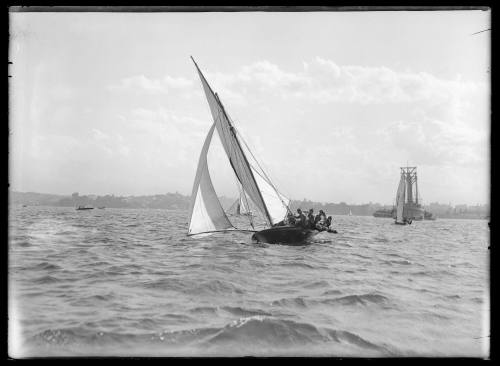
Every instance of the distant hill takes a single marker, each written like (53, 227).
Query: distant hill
(33, 198)
(181, 202)
(165, 201)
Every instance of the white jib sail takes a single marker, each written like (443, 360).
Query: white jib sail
(400, 199)
(206, 213)
(275, 202)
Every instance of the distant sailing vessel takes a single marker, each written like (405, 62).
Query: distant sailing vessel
(80, 208)
(429, 216)
(206, 214)
(350, 212)
(241, 206)
(407, 205)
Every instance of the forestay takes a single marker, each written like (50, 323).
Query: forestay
(206, 213)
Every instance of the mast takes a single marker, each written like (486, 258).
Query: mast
(237, 142)
(232, 128)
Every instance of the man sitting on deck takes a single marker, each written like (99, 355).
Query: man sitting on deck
(328, 224)
(320, 221)
(310, 219)
(300, 219)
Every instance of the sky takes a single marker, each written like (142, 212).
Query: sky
(331, 103)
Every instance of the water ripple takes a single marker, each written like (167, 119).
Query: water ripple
(130, 282)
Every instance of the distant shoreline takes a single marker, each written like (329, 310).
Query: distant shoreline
(177, 201)
(183, 209)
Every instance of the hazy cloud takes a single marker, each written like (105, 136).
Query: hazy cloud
(142, 84)
(108, 110)
(324, 81)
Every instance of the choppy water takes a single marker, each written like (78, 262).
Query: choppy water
(129, 282)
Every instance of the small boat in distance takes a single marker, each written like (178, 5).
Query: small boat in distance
(206, 214)
(101, 207)
(79, 208)
(350, 212)
(429, 216)
(242, 205)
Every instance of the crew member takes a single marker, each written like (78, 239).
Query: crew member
(300, 219)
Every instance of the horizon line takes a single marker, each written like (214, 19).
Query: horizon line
(291, 199)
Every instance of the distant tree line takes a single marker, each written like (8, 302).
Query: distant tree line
(178, 201)
(341, 208)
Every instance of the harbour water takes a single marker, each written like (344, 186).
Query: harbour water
(127, 282)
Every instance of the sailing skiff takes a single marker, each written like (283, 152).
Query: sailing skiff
(206, 214)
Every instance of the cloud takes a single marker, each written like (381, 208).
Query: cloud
(141, 84)
(99, 135)
(323, 81)
(434, 142)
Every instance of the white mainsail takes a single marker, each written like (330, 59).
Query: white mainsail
(233, 149)
(400, 199)
(206, 213)
(263, 195)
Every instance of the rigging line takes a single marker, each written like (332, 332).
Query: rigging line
(485, 30)
(266, 178)
(245, 160)
(233, 150)
(256, 160)
(270, 183)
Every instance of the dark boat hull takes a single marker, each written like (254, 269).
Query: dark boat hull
(288, 235)
(84, 208)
